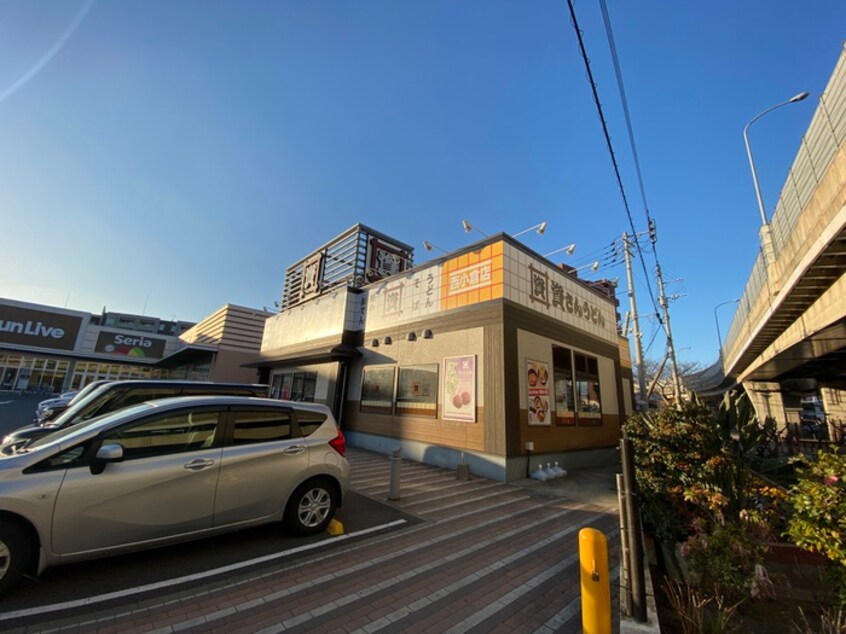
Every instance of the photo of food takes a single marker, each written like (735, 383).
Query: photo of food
(460, 389)
(537, 380)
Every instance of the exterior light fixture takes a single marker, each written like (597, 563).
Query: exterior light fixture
(374, 343)
(593, 267)
(388, 341)
(468, 228)
(541, 228)
(411, 336)
(427, 334)
(570, 249)
(429, 246)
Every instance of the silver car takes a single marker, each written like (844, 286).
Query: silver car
(166, 471)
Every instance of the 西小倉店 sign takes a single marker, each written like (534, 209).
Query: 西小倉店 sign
(469, 278)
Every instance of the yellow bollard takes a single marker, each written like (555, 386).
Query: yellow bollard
(596, 586)
(335, 528)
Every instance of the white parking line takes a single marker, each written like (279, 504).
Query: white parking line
(67, 605)
(5, 402)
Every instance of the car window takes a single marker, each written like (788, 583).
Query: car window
(141, 394)
(165, 434)
(309, 421)
(253, 426)
(73, 457)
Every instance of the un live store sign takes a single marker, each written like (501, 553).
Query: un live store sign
(38, 328)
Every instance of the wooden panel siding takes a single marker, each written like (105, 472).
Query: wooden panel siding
(425, 429)
(495, 441)
(550, 439)
(519, 317)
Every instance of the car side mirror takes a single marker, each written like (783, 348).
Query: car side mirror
(105, 455)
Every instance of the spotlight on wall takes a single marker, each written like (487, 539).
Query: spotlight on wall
(568, 249)
(427, 334)
(411, 337)
(388, 341)
(468, 228)
(429, 246)
(540, 228)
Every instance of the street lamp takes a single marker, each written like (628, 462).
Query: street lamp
(717, 322)
(800, 97)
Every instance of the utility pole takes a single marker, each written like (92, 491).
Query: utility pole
(641, 375)
(662, 300)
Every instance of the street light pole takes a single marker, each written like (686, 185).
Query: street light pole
(717, 322)
(800, 97)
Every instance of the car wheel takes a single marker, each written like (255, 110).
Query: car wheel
(311, 507)
(14, 555)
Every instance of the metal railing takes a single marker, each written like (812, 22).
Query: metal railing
(823, 139)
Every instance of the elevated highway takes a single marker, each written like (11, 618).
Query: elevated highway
(788, 336)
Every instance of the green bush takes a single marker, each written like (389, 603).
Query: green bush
(818, 520)
(696, 486)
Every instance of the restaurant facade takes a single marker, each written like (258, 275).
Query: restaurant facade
(491, 356)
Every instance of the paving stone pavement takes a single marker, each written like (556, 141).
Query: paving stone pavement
(488, 557)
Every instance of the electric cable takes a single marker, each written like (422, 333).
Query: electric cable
(607, 135)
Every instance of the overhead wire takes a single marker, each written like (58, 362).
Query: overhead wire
(607, 135)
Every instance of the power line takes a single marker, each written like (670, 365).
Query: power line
(608, 140)
(662, 297)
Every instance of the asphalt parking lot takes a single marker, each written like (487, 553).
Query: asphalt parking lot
(460, 556)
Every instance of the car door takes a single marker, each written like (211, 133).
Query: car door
(164, 487)
(260, 466)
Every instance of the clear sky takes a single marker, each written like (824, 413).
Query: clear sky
(167, 158)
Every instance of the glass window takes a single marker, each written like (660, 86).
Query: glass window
(73, 457)
(417, 390)
(565, 398)
(309, 422)
(295, 386)
(261, 426)
(168, 434)
(377, 390)
(588, 396)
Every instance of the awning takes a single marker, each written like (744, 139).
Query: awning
(340, 352)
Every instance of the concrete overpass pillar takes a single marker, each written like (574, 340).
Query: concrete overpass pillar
(767, 400)
(834, 404)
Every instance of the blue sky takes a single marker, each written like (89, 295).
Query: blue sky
(171, 157)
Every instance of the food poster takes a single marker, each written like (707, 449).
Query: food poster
(538, 381)
(460, 388)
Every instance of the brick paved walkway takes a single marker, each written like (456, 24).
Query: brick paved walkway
(489, 557)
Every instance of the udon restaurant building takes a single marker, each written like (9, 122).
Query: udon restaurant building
(486, 356)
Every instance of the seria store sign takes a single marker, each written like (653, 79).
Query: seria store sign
(137, 346)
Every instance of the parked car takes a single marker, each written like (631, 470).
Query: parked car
(52, 407)
(114, 395)
(199, 465)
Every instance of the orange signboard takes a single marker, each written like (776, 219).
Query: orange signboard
(472, 277)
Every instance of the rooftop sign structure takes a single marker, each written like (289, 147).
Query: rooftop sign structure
(357, 257)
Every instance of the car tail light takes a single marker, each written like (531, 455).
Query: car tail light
(339, 443)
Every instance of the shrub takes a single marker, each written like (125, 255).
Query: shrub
(818, 520)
